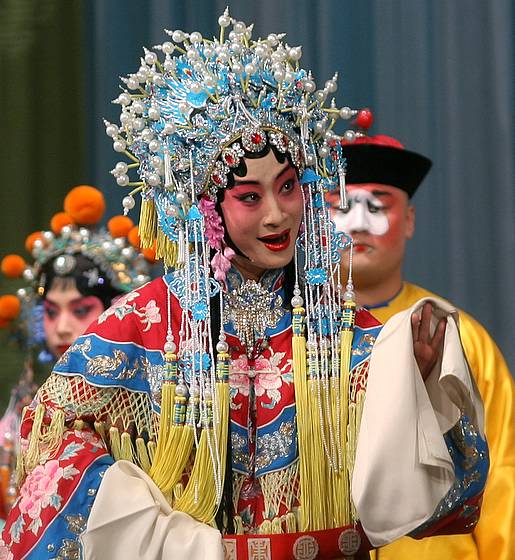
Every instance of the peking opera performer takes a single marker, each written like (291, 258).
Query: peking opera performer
(241, 406)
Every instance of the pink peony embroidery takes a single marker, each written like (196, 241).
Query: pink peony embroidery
(150, 314)
(120, 308)
(39, 489)
(267, 375)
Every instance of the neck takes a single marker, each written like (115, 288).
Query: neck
(376, 294)
(247, 269)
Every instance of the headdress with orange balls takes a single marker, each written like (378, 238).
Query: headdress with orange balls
(114, 252)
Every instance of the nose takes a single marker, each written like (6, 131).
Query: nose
(274, 213)
(64, 325)
(358, 218)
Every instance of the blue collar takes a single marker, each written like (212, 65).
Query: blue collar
(384, 303)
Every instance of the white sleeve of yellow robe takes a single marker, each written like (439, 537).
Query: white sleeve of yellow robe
(131, 519)
(402, 468)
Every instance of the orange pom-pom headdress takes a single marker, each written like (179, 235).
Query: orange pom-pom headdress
(13, 266)
(31, 239)
(120, 226)
(85, 204)
(60, 220)
(9, 307)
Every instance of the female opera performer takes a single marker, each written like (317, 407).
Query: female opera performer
(221, 410)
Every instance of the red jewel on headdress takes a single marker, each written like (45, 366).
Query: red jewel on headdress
(218, 179)
(365, 118)
(229, 159)
(253, 139)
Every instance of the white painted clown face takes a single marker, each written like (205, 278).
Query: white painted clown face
(365, 212)
(380, 220)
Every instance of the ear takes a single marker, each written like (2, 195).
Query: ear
(410, 221)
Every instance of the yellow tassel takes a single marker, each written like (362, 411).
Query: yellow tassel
(31, 458)
(339, 479)
(312, 464)
(238, 525)
(78, 425)
(151, 446)
(142, 452)
(100, 429)
(266, 527)
(174, 444)
(200, 498)
(180, 445)
(165, 428)
(126, 448)
(178, 490)
(54, 434)
(291, 522)
(276, 526)
(303, 423)
(114, 438)
(320, 509)
(166, 249)
(147, 223)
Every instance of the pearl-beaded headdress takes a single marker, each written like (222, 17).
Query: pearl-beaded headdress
(189, 113)
(189, 116)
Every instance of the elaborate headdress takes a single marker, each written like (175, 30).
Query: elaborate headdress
(189, 113)
(113, 259)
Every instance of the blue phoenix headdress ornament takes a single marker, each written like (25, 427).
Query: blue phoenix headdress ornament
(189, 116)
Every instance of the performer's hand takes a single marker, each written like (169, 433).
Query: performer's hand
(427, 348)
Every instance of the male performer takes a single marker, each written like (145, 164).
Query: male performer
(381, 179)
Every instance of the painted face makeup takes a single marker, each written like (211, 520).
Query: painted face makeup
(380, 220)
(365, 213)
(262, 214)
(67, 315)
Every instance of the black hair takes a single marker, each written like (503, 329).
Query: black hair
(78, 278)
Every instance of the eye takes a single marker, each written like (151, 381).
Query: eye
(81, 312)
(249, 197)
(50, 312)
(374, 208)
(346, 210)
(289, 185)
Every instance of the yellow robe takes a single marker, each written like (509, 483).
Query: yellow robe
(494, 536)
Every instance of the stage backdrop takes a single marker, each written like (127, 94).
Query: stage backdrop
(438, 75)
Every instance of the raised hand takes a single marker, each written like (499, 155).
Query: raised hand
(427, 348)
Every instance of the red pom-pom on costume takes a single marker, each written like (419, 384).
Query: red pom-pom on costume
(120, 226)
(9, 307)
(85, 204)
(364, 119)
(29, 241)
(60, 220)
(13, 266)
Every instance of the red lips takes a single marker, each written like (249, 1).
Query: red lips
(277, 241)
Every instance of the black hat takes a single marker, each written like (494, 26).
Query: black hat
(383, 159)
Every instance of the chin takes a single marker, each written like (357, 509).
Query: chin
(279, 261)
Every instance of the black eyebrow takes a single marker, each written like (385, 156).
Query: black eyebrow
(381, 193)
(279, 175)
